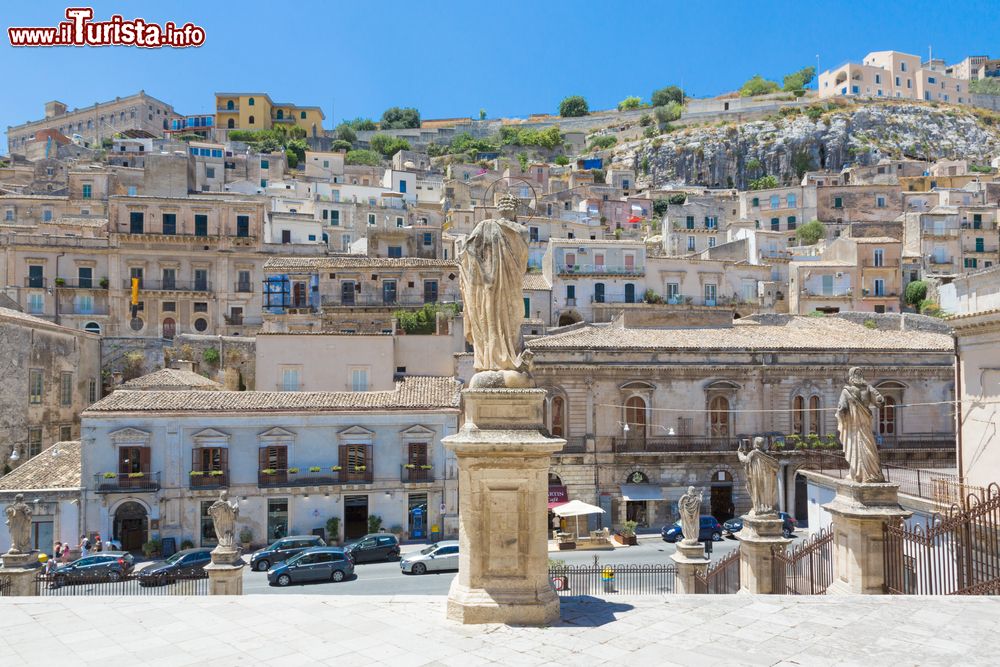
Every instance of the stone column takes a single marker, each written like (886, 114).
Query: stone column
(758, 537)
(690, 559)
(20, 569)
(225, 572)
(503, 469)
(858, 513)
(782, 496)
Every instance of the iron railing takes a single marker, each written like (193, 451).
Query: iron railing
(805, 570)
(912, 481)
(5, 586)
(128, 584)
(957, 553)
(416, 473)
(674, 443)
(126, 482)
(313, 476)
(599, 580)
(574, 445)
(722, 578)
(170, 285)
(208, 479)
(383, 301)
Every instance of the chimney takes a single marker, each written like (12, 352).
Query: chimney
(184, 365)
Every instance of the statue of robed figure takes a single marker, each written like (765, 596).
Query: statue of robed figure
(689, 507)
(854, 423)
(224, 513)
(761, 471)
(492, 262)
(19, 525)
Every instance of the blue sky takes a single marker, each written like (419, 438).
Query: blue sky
(453, 58)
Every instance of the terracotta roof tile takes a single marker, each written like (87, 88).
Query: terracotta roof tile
(171, 379)
(46, 471)
(535, 281)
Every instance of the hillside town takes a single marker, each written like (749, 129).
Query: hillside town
(250, 298)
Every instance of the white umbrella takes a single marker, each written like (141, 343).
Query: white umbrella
(576, 508)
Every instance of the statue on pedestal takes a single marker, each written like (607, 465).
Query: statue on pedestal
(854, 423)
(689, 507)
(762, 477)
(19, 526)
(492, 262)
(224, 513)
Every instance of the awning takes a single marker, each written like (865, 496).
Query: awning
(557, 496)
(641, 492)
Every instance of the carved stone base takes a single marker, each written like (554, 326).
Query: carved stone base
(503, 469)
(22, 579)
(760, 534)
(19, 560)
(501, 380)
(690, 560)
(225, 579)
(858, 512)
(227, 556)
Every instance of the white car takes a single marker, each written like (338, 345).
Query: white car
(435, 558)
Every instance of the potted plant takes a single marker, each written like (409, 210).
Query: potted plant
(187, 544)
(336, 468)
(360, 468)
(292, 471)
(374, 523)
(426, 467)
(104, 283)
(60, 282)
(627, 533)
(314, 468)
(246, 537)
(196, 473)
(409, 466)
(151, 548)
(333, 529)
(268, 471)
(134, 475)
(110, 475)
(216, 473)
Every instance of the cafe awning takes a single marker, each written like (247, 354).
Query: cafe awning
(557, 496)
(641, 492)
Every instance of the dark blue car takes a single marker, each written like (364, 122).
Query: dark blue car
(735, 525)
(710, 529)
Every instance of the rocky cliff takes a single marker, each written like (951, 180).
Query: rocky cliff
(821, 137)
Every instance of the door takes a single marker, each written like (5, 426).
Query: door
(827, 281)
(389, 291)
(722, 502)
(42, 536)
(430, 291)
(635, 510)
(347, 293)
(629, 293)
(130, 526)
(36, 276)
(599, 293)
(355, 517)
(635, 418)
(366, 551)
(169, 328)
(417, 458)
(445, 558)
(201, 280)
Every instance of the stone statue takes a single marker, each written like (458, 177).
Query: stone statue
(762, 477)
(224, 513)
(492, 262)
(19, 525)
(689, 506)
(854, 423)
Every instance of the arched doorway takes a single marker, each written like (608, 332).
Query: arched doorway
(722, 495)
(131, 525)
(169, 328)
(568, 318)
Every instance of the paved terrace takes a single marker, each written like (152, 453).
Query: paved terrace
(411, 630)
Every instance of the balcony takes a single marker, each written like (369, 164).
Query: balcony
(73, 308)
(38, 282)
(209, 479)
(839, 293)
(170, 285)
(313, 476)
(411, 473)
(126, 482)
(866, 294)
(243, 287)
(379, 301)
(949, 232)
(101, 284)
(984, 249)
(673, 444)
(600, 270)
(940, 260)
(235, 109)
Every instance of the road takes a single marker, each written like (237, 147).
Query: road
(387, 579)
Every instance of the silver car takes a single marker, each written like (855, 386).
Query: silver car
(435, 558)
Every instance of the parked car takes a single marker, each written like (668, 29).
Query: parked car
(101, 567)
(282, 550)
(183, 564)
(735, 525)
(314, 564)
(710, 529)
(435, 558)
(373, 547)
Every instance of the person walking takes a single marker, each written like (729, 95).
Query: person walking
(57, 551)
(98, 545)
(84, 546)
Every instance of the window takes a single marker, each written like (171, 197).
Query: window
(711, 241)
(428, 239)
(251, 120)
(371, 219)
(209, 172)
(87, 190)
(710, 294)
(243, 226)
(755, 202)
(359, 379)
(265, 164)
(135, 222)
(718, 415)
(838, 202)
(599, 293)
(92, 391)
(395, 251)
(290, 380)
(570, 295)
(980, 244)
(36, 275)
(791, 223)
(878, 78)
(201, 280)
(47, 215)
(878, 257)
(170, 223)
(887, 417)
(65, 433)
(798, 415)
(201, 325)
(36, 303)
(335, 218)
(629, 292)
(34, 442)
(775, 224)
(690, 245)
(689, 222)
(558, 429)
(880, 201)
(635, 417)
(399, 221)
(35, 386)
(902, 67)
(814, 415)
(673, 290)
(430, 291)
(66, 389)
(775, 201)
(200, 224)
(711, 222)
(388, 291)
(132, 191)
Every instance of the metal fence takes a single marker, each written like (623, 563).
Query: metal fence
(805, 570)
(598, 580)
(954, 554)
(131, 584)
(721, 578)
(5, 586)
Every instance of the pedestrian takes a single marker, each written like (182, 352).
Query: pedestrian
(98, 545)
(57, 551)
(84, 546)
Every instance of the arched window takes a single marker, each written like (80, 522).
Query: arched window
(231, 124)
(887, 417)
(92, 327)
(251, 120)
(169, 328)
(230, 105)
(635, 417)
(718, 413)
(798, 415)
(250, 102)
(281, 114)
(637, 477)
(558, 417)
(814, 415)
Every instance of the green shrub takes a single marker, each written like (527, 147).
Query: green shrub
(603, 142)
(573, 106)
(374, 523)
(629, 103)
(799, 80)
(645, 120)
(345, 132)
(367, 157)
(870, 324)
(333, 528)
(764, 183)
(400, 118)
(811, 232)
(562, 160)
(211, 356)
(362, 124)
(915, 293)
(668, 113)
(388, 145)
(758, 85)
(814, 112)
(664, 96)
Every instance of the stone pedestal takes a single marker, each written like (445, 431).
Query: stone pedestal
(20, 569)
(690, 560)
(858, 513)
(760, 534)
(225, 572)
(503, 469)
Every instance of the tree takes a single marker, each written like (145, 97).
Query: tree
(629, 103)
(764, 183)
(363, 124)
(562, 160)
(482, 114)
(388, 145)
(573, 106)
(370, 158)
(668, 113)
(665, 96)
(758, 85)
(660, 206)
(811, 232)
(915, 293)
(400, 118)
(602, 142)
(341, 145)
(799, 80)
(345, 132)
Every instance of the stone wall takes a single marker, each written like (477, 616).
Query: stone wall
(236, 353)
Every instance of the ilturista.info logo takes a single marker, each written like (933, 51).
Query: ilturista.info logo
(81, 30)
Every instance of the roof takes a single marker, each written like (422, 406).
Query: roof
(45, 471)
(17, 317)
(411, 393)
(876, 239)
(797, 333)
(171, 379)
(535, 281)
(354, 262)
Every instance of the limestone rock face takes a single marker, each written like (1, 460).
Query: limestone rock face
(734, 154)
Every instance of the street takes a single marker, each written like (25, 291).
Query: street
(387, 579)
